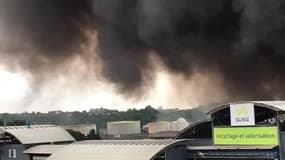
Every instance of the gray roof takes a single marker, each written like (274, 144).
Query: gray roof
(44, 149)
(114, 149)
(38, 134)
(277, 106)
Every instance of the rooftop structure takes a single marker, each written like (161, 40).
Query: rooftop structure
(38, 134)
(16, 139)
(120, 150)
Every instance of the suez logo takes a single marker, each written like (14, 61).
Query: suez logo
(242, 114)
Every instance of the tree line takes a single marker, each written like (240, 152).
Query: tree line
(100, 117)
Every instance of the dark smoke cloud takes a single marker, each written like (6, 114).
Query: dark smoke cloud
(39, 34)
(243, 40)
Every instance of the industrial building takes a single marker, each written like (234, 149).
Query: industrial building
(165, 126)
(239, 130)
(178, 125)
(119, 128)
(14, 140)
(164, 129)
(156, 127)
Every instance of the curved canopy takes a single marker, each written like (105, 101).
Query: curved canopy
(194, 128)
(114, 149)
(38, 134)
(277, 106)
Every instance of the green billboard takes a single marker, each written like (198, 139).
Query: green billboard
(246, 136)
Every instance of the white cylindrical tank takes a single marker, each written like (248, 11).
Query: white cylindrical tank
(178, 125)
(123, 128)
(157, 127)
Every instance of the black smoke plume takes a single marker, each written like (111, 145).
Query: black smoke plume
(243, 40)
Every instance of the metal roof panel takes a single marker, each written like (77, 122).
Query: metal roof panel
(113, 149)
(39, 134)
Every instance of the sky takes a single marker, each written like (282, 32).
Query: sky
(81, 54)
(75, 94)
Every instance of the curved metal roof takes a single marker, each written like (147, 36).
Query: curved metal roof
(278, 106)
(38, 134)
(44, 149)
(114, 149)
(191, 126)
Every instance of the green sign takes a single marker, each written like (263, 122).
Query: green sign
(246, 136)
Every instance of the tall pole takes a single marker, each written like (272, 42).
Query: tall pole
(5, 119)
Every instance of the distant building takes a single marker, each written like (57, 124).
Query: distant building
(101, 111)
(14, 140)
(178, 125)
(164, 129)
(82, 128)
(119, 128)
(164, 126)
(55, 112)
(156, 127)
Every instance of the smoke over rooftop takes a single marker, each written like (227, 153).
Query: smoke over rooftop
(239, 41)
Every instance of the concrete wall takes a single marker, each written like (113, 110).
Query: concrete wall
(4, 152)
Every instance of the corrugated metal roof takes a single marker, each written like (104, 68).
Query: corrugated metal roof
(44, 149)
(38, 134)
(114, 149)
